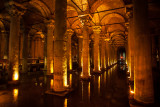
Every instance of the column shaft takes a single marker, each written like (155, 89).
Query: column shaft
(60, 60)
(103, 61)
(14, 47)
(80, 51)
(25, 52)
(50, 30)
(143, 82)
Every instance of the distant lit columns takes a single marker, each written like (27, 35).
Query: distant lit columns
(50, 30)
(80, 40)
(103, 61)
(85, 50)
(143, 81)
(60, 60)
(69, 34)
(96, 30)
(13, 71)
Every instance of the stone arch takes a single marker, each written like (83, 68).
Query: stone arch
(41, 7)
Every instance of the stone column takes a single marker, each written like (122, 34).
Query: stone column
(25, 50)
(96, 30)
(80, 40)
(69, 34)
(130, 45)
(85, 50)
(5, 41)
(50, 30)
(103, 61)
(107, 52)
(60, 60)
(13, 71)
(143, 81)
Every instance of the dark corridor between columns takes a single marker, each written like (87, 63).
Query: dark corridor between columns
(108, 89)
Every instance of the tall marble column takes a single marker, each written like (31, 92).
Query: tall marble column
(103, 53)
(25, 50)
(107, 53)
(50, 31)
(131, 49)
(96, 30)
(85, 50)
(13, 71)
(60, 60)
(143, 81)
(80, 40)
(69, 34)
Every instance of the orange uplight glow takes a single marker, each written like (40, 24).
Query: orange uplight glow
(65, 102)
(51, 83)
(15, 75)
(132, 92)
(15, 94)
(51, 66)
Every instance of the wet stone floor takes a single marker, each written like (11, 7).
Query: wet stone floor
(108, 89)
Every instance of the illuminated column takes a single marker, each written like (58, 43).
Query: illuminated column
(85, 50)
(80, 40)
(143, 81)
(60, 60)
(69, 34)
(107, 51)
(5, 41)
(131, 49)
(25, 50)
(13, 71)
(96, 30)
(103, 61)
(50, 30)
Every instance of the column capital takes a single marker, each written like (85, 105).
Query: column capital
(96, 29)
(15, 9)
(84, 19)
(129, 12)
(50, 23)
(69, 32)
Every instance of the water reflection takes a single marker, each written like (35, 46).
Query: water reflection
(65, 102)
(99, 84)
(15, 94)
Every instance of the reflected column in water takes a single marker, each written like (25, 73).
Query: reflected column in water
(86, 91)
(15, 94)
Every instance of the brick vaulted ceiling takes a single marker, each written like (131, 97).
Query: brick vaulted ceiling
(109, 14)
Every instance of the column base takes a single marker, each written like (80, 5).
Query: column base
(49, 75)
(60, 94)
(14, 83)
(69, 71)
(85, 77)
(95, 72)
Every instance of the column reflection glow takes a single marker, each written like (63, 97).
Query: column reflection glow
(99, 84)
(15, 94)
(65, 102)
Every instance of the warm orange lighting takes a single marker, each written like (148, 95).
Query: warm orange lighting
(65, 79)
(89, 92)
(15, 94)
(70, 80)
(15, 75)
(51, 83)
(99, 84)
(132, 92)
(51, 67)
(65, 102)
